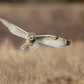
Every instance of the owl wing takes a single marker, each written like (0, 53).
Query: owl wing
(52, 40)
(15, 29)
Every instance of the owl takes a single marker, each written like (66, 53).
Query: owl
(33, 39)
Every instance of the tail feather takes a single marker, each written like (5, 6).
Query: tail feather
(34, 46)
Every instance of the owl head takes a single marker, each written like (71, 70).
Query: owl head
(31, 37)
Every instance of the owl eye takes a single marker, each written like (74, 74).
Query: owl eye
(30, 37)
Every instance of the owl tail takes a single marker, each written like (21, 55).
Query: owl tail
(34, 46)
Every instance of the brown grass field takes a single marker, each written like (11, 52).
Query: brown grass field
(45, 65)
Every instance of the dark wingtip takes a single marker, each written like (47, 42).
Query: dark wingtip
(68, 43)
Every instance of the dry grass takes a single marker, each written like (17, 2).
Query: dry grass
(45, 65)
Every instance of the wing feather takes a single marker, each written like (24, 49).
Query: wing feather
(15, 29)
(52, 40)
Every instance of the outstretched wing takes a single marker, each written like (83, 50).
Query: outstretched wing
(52, 40)
(15, 29)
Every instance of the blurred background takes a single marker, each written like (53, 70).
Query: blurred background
(45, 65)
(63, 18)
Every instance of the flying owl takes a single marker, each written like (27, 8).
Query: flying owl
(33, 39)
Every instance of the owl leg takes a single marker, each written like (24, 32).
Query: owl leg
(25, 45)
